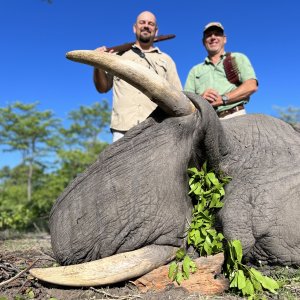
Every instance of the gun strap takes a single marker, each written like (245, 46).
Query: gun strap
(141, 54)
(231, 69)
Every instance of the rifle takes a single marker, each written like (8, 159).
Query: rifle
(127, 46)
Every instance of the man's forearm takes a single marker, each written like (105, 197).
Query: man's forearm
(245, 90)
(102, 81)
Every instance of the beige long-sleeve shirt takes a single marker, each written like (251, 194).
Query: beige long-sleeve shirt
(130, 106)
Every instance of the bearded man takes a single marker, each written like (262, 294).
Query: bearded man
(130, 106)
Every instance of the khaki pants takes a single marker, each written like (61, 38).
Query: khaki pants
(235, 114)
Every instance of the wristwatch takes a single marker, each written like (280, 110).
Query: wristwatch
(225, 99)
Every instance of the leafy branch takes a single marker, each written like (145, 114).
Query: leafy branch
(181, 268)
(207, 191)
(243, 279)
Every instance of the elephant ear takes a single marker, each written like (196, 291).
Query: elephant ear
(158, 89)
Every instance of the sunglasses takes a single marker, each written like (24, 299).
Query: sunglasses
(214, 32)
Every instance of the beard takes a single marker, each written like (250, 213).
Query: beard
(145, 38)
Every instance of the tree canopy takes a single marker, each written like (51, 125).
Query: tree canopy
(51, 156)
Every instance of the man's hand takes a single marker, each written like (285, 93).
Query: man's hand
(213, 97)
(104, 49)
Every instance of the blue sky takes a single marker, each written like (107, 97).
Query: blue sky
(35, 37)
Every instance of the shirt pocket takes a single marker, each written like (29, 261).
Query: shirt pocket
(161, 67)
(202, 81)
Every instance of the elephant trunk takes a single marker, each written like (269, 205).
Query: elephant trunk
(109, 270)
(158, 89)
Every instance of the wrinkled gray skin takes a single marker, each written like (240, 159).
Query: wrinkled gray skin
(136, 193)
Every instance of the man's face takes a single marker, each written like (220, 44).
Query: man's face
(145, 27)
(214, 40)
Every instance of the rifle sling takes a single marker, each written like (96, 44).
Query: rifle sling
(141, 54)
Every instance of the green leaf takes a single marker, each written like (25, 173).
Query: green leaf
(31, 295)
(180, 254)
(264, 281)
(241, 280)
(248, 290)
(207, 182)
(179, 278)
(193, 266)
(222, 192)
(193, 187)
(198, 190)
(203, 232)
(212, 178)
(230, 254)
(208, 240)
(197, 238)
(234, 281)
(215, 201)
(172, 270)
(186, 266)
(256, 284)
(199, 223)
(192, 170)
(237, 246)
(220, 236)
(270, 284)
(207, 248)
(257, 275)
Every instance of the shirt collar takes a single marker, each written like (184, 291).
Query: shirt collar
(207, 60)
(155, 49)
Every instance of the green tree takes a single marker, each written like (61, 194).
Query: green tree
(87, 124)
(32, 133)
(15, 210)
(36, 135)
(83, 138)
(289, 114)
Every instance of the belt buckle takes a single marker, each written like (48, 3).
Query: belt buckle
(230, 111)
(223, 113)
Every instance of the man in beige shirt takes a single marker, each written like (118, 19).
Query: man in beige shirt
(130, 106)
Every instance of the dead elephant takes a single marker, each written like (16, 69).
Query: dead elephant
(135, 196)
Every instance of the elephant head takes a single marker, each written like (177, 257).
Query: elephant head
(135, 196)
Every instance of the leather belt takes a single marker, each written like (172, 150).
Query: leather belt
(230, 111)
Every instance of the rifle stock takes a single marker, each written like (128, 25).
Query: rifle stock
(127, 46)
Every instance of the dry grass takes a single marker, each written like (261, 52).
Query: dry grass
(23, 242)
(21, 249)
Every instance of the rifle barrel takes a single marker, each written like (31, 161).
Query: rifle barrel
(127, 46)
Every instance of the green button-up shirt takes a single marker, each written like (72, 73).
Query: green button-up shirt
(207, 75)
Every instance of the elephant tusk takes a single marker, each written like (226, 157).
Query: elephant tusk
(109, 270)
(158, 89)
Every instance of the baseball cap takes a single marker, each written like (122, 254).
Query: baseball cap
(213, 24)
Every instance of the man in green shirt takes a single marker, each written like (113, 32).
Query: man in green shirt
(209, 80)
